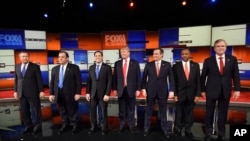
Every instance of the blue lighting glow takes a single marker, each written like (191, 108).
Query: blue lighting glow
(91, 4)
(45, 15)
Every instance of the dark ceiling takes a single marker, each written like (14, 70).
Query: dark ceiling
(116, 15)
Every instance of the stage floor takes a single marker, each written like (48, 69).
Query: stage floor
(11, 125)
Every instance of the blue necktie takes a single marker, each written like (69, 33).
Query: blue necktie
(61, 77)
(24, 69)
(97, 71)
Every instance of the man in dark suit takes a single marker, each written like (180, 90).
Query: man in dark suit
(28, 89)
(155, 87)
(99, 84)
(218, 74)
(127, 85)
(187, 91)
(65, 89)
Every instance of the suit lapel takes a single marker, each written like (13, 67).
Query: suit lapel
(19, 69)
(129, 67)
(191, 69)
(101, 70)
(182, 70)
(214, 59)
(227, 61)
(161, 67)
(66, 71)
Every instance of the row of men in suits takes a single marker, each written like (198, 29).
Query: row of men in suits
(159, 81)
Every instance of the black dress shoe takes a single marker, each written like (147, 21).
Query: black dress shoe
(26, 130)
(132, 130)
(167, 135)
(121, 130)
(178, 132)
(221, 138)
(208, 138)
(62, 129)
(189, 134)
(145, 133)
(104, 132)
(91, 131)
(75, 130)
(37, 130)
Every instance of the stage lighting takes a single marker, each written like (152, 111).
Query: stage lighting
(45, 15)
(91, 4)
(184, 3)
(131, 4)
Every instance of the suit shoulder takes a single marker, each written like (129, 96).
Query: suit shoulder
(231, 56)
(33, 64)
(209, 58)
(195, 63)
(166, 62)
(133, 60)
(73, 65)
(106, 65)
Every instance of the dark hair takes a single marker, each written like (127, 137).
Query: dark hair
(160, 49)
(65, 52)
(98, 51)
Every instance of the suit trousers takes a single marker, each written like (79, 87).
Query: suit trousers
(28, 105)
(126, 109)
(68, 109)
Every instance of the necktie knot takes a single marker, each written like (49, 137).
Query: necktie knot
(220, 58)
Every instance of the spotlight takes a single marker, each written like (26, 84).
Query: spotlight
(45, 15)
(184, 3)
(91, 4)
(131, 4)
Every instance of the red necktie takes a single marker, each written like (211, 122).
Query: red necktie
(124, 72)
(221, 65)
(157, 69)
(186, 70)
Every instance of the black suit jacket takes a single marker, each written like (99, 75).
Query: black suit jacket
(183, 87)
(158, 84)
(212, 82)
(101, 86)
(133, 78)
(72, 82)
(31, 84)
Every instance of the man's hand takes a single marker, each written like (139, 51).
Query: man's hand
(144, 93)
(106, 98)
(115, 92)
(171, 95)
(137, 93)
(88, 97)
(41, 95)
(15, 95)
(236, 95)
(203, 94)
(77, 97)
(52, 98)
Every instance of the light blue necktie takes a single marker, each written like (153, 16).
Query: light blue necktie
(97, 71)
(24, 70)
(61, 77)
